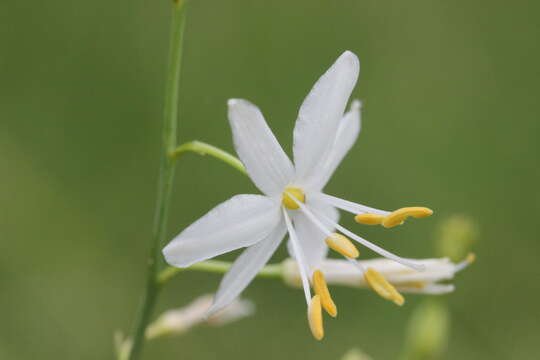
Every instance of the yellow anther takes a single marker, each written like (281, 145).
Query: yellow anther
(342, 245)
(413, 284)
(315, 317)
(321, 289)
(471, 257)
(397, 217)
(369, 219)
(297, 193)
(382, 287)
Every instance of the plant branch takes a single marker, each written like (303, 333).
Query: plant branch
(202, 148)
(273, 271)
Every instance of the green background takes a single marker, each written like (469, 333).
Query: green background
(450, 121)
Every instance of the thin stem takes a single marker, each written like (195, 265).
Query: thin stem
(202, 148)
(272, 271)
(166, 177)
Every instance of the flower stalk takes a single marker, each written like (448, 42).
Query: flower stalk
(202, 148)
(166, 177)
(274, 271)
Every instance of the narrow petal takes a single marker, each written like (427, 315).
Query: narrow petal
(240, 221)
(300, 259)
(311, 238)
(246, 267)
(321, 112)
(265, 161)
(348, 131)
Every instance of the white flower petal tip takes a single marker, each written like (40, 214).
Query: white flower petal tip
(233, 102)
(266, 163)
(320, 114)
(349, 57)
(240, 221)
(245, 268)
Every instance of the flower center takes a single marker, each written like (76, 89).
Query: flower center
(295, 192)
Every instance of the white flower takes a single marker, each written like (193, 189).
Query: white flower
(405, 280)
(179, 321)
(293, 200)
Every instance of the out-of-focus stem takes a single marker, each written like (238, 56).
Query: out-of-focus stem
(166, 176)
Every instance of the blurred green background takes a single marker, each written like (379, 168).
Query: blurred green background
(450, 121)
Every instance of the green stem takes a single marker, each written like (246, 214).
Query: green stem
(202, 148)
(273, 271)
(166, 177)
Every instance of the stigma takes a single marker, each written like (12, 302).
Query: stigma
(295, 192)
(395, 218)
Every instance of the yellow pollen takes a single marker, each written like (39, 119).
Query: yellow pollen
(397, 217)
(342, 245)
(369, 219)
(297, 193)
(321, 289)
(382, 287)
(471, 257)
(315, 318)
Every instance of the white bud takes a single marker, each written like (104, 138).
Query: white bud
(181, 320)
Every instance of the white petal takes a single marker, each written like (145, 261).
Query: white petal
(430, 289)
(266, 162)
(349, 128)
(321, 112)
(310, 237)
(435, 270)
(246, 267)
(240, 221)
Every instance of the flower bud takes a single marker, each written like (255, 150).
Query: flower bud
(179, 321)
(427, 333)
(456, 235)
(355, 354)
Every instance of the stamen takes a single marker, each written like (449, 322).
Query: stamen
(357, 265)
(347, 205)
(321, 289)
(315, 318)
(291, 193)
(471, 257)
(299, 254)
(382, 287)
(377, 249)
(369, 219)
(397, 217)
(342, 245)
